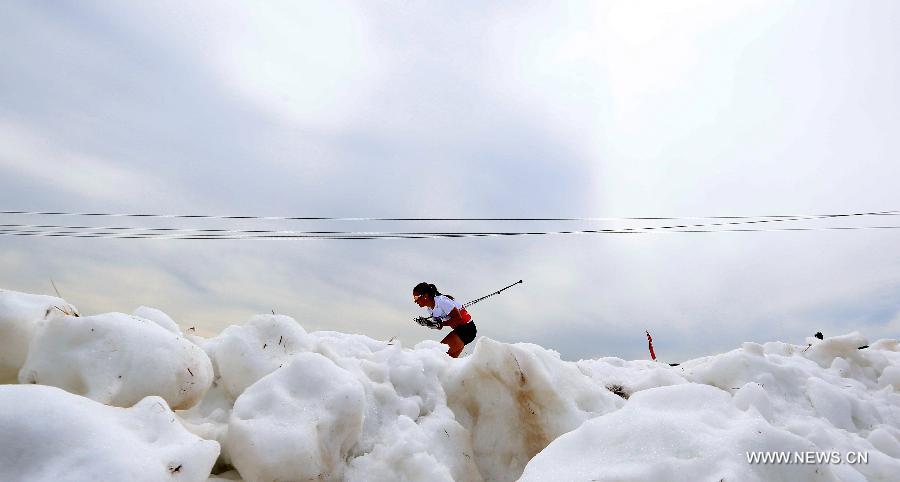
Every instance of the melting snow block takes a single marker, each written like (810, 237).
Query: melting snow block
(51, 435)
(515, 399)
(890, 377)
(685, 432)
(158, 317)
(117, 359)
(19, 312)
(297, 423)
(844, 346)
(243, 354)
(408, 431)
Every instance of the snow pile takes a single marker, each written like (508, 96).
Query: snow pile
(284, 404)
(49, 434)
(516, 399)
(826, 397)
(19, 313)
(678, 433)
(329, 406)
(117, 359)
(242, 354)
(297, 423)
(408, 431)
(421, 416)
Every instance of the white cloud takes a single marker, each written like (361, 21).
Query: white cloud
(311, 64)
(551, 63)
(28, 154)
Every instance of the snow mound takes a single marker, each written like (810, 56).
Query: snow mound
(19, 312)
(685, 432)
(51, 435)
(409, 433)
(117, 359)
(516, 399)
(827, 397)
(629, 376)
(242, 354)
(406, 430)
(297, 423)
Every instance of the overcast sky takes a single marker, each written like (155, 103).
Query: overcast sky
(463, 109)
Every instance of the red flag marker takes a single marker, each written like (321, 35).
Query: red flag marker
(650, 343)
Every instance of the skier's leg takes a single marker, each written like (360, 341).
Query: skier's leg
(455, 343)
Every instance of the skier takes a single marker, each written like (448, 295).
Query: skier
(447, 312)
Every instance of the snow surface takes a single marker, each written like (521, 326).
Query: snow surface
(270, 401)
(50, 434)
(19, 313)
(117, 359)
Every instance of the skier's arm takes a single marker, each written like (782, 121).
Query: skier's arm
(454, 318)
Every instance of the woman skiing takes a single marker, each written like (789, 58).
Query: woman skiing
(447, 312)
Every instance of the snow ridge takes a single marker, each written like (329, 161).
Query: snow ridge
(265, 400)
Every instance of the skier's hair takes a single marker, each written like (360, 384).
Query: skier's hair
(424, 288)
(428, 289)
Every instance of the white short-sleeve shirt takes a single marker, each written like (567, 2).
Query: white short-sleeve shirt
(443, 305)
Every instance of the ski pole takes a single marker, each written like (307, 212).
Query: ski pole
(470, 303)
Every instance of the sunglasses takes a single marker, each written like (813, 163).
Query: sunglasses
(416, 297)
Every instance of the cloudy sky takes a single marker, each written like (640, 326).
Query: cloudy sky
(463, 109)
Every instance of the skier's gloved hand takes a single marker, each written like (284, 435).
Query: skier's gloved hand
(429, 322)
